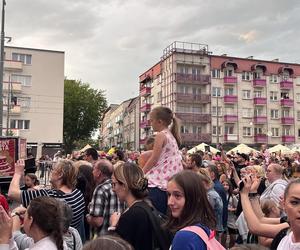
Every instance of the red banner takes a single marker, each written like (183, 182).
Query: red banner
(7, 157)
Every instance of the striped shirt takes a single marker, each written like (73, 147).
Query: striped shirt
(74, 199)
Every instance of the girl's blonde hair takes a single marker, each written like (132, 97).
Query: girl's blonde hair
(166, 115)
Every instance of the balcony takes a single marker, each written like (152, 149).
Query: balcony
(230, 99)
(145, 91)
(260, 100)
(288, 139)
(230, 118)
(15, 87)
(195, 138)
(285, 84)
(287, 102)
(230, 138)
(259, 83)
(14, 109)
(13, 65)
(194, 118)
(287, 120)
(259, 119)
(146, 108)
(230, 79)
(145, 124)
(192, 79)
(203, 98)
(260, 138)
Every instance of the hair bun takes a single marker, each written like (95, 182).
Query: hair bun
(142, 184)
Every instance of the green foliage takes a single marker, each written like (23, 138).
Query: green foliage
(83, 108)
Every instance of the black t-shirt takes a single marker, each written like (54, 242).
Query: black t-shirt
(135, 227)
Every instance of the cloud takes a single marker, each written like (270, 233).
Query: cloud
(110, 43)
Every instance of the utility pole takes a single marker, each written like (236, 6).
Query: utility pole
(8, 106)
(218, 139)
(2, 66)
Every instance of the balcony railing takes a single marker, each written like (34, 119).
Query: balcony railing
(194, 118)
(145, 124)
(260, 100)
(260, 138)
(230, 79)
(259, 82)
(287, 120)
(145, 91)
(13, 65)
(203, 98)
(288, 139)
(146, 108)
(230, 99)
(285, 84)
(196, 138)
(230, 138)
(230, 118)
(15, 87)
(287, 102)
(260, 119)
(192, 79)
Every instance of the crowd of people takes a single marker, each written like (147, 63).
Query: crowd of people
(161, 198)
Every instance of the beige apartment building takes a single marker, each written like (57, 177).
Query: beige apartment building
(120, 125)
(33, 92)
(222, 98)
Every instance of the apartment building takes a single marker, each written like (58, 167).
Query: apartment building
(120, 125)
(222, 98)
(33, 97)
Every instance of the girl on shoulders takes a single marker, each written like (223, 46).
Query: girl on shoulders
(165, 160)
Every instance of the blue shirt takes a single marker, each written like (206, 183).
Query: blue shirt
(186, 240)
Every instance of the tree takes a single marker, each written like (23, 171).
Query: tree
(83, 108)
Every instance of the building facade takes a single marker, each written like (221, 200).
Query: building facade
(33, 92)
(223, 99)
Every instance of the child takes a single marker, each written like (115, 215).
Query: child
(232, 205)
(165, 160)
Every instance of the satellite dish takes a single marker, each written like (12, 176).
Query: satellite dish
(269, 133)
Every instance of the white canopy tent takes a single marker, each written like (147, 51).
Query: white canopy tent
(242, 148)
(201, 147)
(278, 148)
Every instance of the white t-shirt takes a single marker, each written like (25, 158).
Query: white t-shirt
(287, 243)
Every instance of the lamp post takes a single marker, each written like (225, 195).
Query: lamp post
(2, 66)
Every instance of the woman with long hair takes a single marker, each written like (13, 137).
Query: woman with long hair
(190, 209)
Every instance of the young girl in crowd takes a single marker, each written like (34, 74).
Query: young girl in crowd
(31, 182)
(165, 160)
(190, 210)
(232, 205)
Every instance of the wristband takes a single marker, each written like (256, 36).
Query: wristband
(253, 195)
(111, 229)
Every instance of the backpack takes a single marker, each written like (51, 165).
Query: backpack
(211, 242)
(161, 238)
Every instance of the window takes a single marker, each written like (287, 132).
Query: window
(229, 110)
(197, 110)
(216, 110)
(215, 73)
(196, 91)
(196, 130)
(216, 91)
(247, 112)
(24, 102)
(273, 96)
(298, 97)
(159, 96)
(274, 79)
(274, 114)
(257, 93)
(20, 124)
(257, 75)
(183, 89)
(298, 115)
(246, 76)
(246, 94)
(258, 131)
(183, 70)
(285, 113)
(228, 72)
(275, 132)
(246, 131)
(286, 131)
(228, 130)
(258, 112)
(214, 132)
(298, 132)
(26, 59)
(284, 95)
(184, 130)
(24, 80)
(228, 91)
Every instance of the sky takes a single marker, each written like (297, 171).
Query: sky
(109, 43)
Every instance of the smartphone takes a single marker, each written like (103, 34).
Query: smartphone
(207, 148)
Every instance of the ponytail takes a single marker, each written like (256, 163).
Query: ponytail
(58, 239)
(175, 130)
